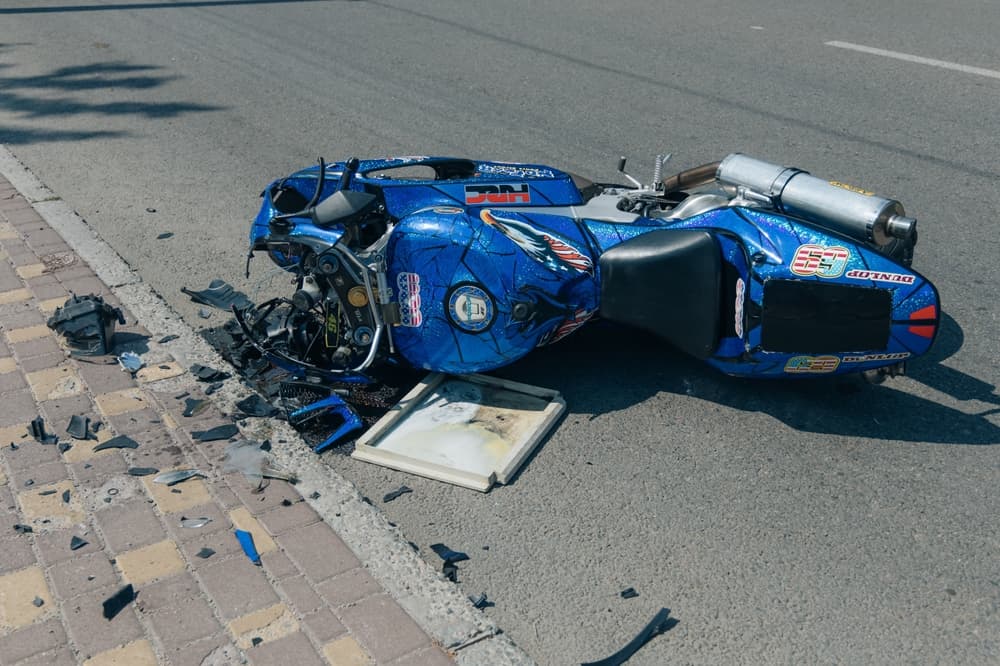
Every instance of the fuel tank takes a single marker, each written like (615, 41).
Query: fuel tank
(478, 288)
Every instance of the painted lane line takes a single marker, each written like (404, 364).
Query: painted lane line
(944, 64)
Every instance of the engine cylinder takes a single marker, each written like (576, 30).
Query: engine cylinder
(853, 212)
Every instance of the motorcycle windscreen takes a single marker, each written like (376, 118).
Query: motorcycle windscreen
(818, 317)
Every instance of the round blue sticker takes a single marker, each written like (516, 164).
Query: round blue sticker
(471, 308)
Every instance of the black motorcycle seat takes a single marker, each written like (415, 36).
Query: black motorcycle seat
(667, 282)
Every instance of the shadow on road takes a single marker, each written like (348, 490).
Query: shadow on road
(51, 95)
(607, 368)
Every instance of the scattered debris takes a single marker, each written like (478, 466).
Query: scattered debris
(14, 447)
(203, 313)
(206, 374)
(629, 593)
(37, 430)
(660, 623)
(221, 295)
(194, 406)
(254, 405)
(481, 601)
(219, 432)
(246, 542)
(131, 362)
(168, 338)
(213, 387)
(182, 395)
(177, 476)
(331, 414)
(65, 497)
(119, 600)
(112, 491)
(79, 427)
(402, 490)
(256, 464)
(76, 542)
(38, 602)
(64, 447)
(45, 493)
(314, 495)
(29, 482)
(23, 529)
(119, 442)
(447, 554)
(205, 553)
(287, 502)
(150, 210)
(95, 426)
(194, 523)
(165, 235)
(142, 471)
(450, 572)
(255, 641)
(87, 323)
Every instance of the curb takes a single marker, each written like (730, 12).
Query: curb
(435, 604)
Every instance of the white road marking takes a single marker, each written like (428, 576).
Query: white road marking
(944, 64)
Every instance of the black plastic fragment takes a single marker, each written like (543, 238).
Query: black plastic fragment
(220, 294)
(95, 426)
(661, 622)
(193, 405)
(219, 432)
(65, 497)
(28, 483)
(64, 447)
(47, 492)
(142, 471)
(314, 495)
(206, 374)
(213, 387)
(450, 572)
(87, 323)
(167, 338)
(38, 602)
(76, 542)
(22, 528)
(37, 430)
(205, 553)
(119, 442)
(14, 447)
(119, 600)
(629, 593)
(481, 601)
(254, 405)
(79, 427)
(402, 490)
(255, 641)
(447, 554)
(166, 234)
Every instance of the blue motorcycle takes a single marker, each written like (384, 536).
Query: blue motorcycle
(463, 266)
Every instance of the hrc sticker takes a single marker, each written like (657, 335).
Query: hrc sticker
(812, 364)
(820, 260)
(471, 308)
(409, 299)
(481, 195)
(740, 291)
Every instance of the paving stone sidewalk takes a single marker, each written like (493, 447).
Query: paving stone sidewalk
(311, 602)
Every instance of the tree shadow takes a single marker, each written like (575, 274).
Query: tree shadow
(52, 96)
(607, 368)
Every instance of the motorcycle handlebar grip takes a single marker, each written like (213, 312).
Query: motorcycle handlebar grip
(350, 168)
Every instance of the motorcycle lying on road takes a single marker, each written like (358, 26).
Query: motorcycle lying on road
(464, 266)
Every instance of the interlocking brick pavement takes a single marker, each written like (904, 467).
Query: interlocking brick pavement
(311, 601)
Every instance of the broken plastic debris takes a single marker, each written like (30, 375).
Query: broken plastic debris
(178, 475)
(221, 295)
(481, 601)
(87, 323)
(37, 430)
(44, 493)
(119, 442)
(213, 387)
(207, 374)
(194, 523)
(165, 235)
(255, 641)
(38, 602)
(150, 210)
(402, 490)
(131, 362)
(254, 405)
(119, 600)
(254, 463)
(142, 471)
(450, 572)
(65, 497)
(205, 553)
(629, 593)
(167, 338)
(23, 529)
(447, 554)
(219, 432)
(193, 406)
(246, 542)
(203, 313)
(660, 623)
(79, 427)
(64, 447)
(76, 542)
(29, 483)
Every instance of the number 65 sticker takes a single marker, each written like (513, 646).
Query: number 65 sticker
(820, 260)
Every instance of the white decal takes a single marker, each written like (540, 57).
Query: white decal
(880, 276)
(740, 292)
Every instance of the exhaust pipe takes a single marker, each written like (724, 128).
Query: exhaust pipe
(850, 211)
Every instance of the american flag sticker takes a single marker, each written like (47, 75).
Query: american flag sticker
(408, 285)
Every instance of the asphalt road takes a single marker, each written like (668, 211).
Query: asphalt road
(814, 521)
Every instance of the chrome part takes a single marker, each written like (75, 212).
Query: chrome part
(696, 204)
(850, 211)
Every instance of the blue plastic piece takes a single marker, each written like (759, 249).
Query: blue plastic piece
(246, 541)
(335, 406)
